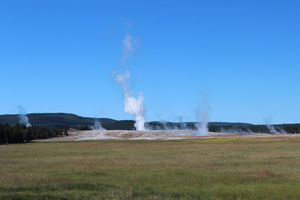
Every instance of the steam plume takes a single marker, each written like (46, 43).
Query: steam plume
(272, 129)
(182, 124)
(97, 125)
(132, 105)
(23, 119)
(203, 115)
(128, 47)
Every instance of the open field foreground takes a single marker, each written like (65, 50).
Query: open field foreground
(204, 168)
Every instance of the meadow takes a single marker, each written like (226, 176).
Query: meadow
(205, 168)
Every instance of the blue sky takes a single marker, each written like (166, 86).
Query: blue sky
(58, 56)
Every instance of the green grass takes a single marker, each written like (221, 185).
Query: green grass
(218, 168)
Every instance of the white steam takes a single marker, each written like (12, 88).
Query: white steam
(202, 115)
(272, 129)
(98, 126)
(183, 125)
(132, 105)
(136, 107)
(23, 119)
(202, 126)
(128, 46)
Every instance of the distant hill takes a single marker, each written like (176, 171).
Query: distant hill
(62, 120)
(53, 120)
(228, 124)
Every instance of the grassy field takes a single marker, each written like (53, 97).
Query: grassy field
(208, 168)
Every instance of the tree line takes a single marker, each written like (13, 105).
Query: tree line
(280, 128)
(283, 128)
(21, 134)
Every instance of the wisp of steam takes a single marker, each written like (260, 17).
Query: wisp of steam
(132, 105)
(203, 116)
(272, 129)
(97, 126)
(23, 119)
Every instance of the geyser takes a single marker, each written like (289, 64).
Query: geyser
(203, 116)
(272, 129)
(132, 105)
(98, 126)
(23, 119)
(203, 125)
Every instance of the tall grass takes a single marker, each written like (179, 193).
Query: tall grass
(239, 168)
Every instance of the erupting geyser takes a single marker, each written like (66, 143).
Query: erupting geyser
(23, 119)
(203, 116)
(132, 105)
(272, 129)
(203, 125)
(97, 126)
(136, 107)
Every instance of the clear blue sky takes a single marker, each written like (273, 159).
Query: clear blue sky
(58, 56)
